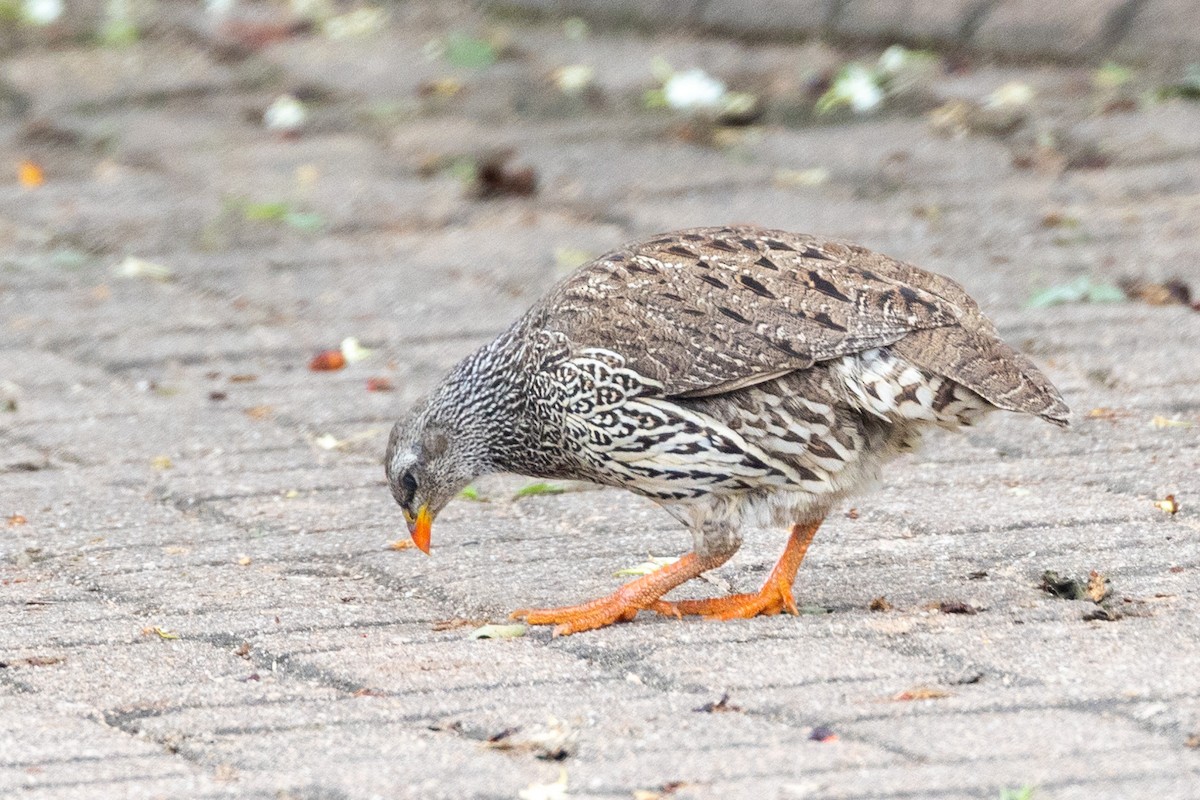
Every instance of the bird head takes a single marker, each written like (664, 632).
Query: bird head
(426, 469)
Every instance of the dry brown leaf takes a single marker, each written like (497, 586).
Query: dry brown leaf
(1097, 587)
(1167, 505)
(880, 604)
(380, 385)
(327, 361)
(30, 175)
(16, 519)
(401, 544)
(260, 412)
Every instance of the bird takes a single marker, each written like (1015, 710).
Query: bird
(737, 376)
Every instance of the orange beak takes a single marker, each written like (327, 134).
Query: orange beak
(420, 528)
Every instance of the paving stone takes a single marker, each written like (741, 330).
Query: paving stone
(314, 662)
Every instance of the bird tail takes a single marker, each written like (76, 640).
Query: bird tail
(987, 366)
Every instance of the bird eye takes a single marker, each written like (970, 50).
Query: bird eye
(409, 482)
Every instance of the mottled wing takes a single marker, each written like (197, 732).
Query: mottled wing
(710, 310)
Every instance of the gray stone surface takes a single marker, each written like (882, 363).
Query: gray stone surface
(1159, 32)
(196, 597)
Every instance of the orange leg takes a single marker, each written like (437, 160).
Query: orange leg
(623, 604)
(774, 597)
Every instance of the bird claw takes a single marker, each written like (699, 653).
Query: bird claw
(774, 598)
(584, 617)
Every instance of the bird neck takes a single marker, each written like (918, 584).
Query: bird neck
(483, 400)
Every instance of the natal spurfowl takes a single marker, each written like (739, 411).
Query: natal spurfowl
(737, 376)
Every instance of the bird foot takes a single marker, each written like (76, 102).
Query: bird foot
(774, 598)
(583, 617)
(623, 604)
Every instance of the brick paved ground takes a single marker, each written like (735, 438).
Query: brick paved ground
(164, 447)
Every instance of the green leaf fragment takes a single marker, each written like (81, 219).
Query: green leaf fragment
(498, 632)
(472, 493)
(469, 52)
(1080, 290)
(538, 488)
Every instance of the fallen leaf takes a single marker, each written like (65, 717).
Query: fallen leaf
(880, 604)
(327, 361)
(244, 561)
(498, 632)
(472, 494)
(162, 633)
(468, 51)
(1167, 505)
(719, 706)
(1081, 290)
(260, 412)
(243, 378)
(243, 650)
(536, 489)
(1097, 587)
(1163, 422)
(30, 175)
(816, 176)
(921, 693)
(134, 267)
(650, 565)
(1173, 292)
(217, 397)
(402, 544)
(379, 385)
(495, 178)
(17, 519)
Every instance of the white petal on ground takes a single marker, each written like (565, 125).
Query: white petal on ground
(693, 90)
(42, 12)
(286, 114)
(353, 351)
(1010, 95)
(860, 88)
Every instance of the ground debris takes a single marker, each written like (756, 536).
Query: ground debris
(822, 733)
(921, 693)
(719, 706)
(552, 741)
(880, 604)
(32, 661)
(956, 607)
(1171, 292)
(1168, 505)
(496, 177)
